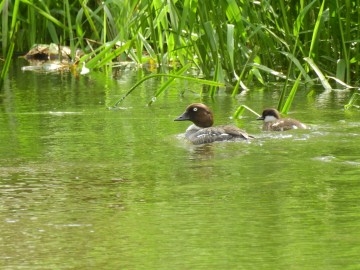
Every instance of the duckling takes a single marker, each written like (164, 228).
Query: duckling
(273, 121)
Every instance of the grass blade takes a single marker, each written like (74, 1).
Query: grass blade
(165, 85)
(241, 109)
(269, 70)
(291, 96)
(340, 69)
(321, 76)
(12, 34)
(315, 35)
(45, 14)
(299, 66)
(207, 82)
(230, 44)
(71, 34)
(89, 19)
(9, 55)
(211, 37)
(5, 25)
(352, 100)
(147, 46)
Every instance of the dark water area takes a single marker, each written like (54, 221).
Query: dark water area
(85, 187)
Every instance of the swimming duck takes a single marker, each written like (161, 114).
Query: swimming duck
(273, 121)
(202, 131)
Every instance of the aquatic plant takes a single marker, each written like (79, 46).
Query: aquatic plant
(233, 42)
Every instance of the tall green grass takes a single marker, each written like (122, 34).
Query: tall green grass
(234, 42)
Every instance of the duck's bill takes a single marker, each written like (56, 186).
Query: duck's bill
(182, 117)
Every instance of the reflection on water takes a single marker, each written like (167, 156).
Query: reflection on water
(84, 187)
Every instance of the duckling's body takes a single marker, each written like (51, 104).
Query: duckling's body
(273, 121)
(202, 130)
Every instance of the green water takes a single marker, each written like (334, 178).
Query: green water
(84, 187)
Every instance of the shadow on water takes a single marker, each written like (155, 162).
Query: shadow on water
(82, 186)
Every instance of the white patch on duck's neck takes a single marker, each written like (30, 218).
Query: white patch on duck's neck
(270, 118)
(193, 128)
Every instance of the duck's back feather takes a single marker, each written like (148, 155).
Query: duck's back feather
(219, 133)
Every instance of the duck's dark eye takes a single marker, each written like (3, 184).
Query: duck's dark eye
(195, 109)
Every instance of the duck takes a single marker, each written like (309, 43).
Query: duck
(273, 121)
(202, 130)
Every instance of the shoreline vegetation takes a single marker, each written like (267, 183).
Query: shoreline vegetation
(234, 43)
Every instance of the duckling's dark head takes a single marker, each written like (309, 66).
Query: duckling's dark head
(199, 114)
(269, 114)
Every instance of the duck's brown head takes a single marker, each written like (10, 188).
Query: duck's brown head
(199, 114)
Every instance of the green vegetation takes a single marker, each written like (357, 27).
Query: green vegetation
(234, 42)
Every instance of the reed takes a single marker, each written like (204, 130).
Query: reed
(233, 42)
(12, 34)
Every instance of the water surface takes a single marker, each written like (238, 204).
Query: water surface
(84, 187)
